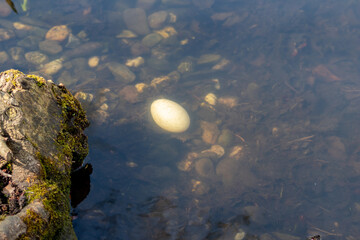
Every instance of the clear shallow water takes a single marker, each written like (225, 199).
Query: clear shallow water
(293, 71)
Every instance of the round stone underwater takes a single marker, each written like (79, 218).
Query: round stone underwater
(170, 116)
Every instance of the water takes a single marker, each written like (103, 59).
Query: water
(288, 95)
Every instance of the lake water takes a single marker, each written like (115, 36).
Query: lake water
(272, 153)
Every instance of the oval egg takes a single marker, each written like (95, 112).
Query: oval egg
(170, 116)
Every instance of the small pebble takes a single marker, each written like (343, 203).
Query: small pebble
(93, 61)
(211, 99)
(58, 33)
(136, 62)
(3, 57)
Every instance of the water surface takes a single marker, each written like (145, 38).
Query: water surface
(288, 90)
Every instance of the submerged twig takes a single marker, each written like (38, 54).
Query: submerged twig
(301, 139)
(326, 232)
(241, 138)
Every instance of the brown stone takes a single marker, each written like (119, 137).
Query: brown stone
(5, 9)
(210, 132)
(6, 34)
(58, 33)
(130, 94)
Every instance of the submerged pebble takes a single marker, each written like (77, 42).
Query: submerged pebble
(135, 62)
(151, 40)
(121, 72)
(204, 167)
(50, 46)
(16, 53)
(58, 33)
(225, 138)
(199, 188)
(208, 58)
(52, 67)
(158, 19)
(93, 61)
(140, 87)
(126, 34)
(21, 26)
(135, 20)
(211, 99)
(36, 57)
(210, 132)
(186, 66)
(6, 34)
(216, 150)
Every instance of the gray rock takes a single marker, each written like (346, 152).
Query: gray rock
(151, 39)
(12, 227)
(158, 19)
(159, 64)
(236, 173)
(50, 46)
(135, 19)
(29, 42)
(204, 167)
(36, 57)
(226, 137)
(121, 72)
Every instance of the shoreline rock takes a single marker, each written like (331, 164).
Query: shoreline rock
(42, 142)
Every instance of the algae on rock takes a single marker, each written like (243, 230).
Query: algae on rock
(41, 141)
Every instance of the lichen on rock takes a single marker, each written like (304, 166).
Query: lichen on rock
(41, 141)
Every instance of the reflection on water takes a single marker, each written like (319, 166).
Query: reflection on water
(273, 95)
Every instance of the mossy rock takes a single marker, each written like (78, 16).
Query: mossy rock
(41, 142)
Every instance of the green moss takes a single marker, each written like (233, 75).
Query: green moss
(53, 188)
(58, 206)
(70, 138)
(13, 83)
(55, 170)
(36, 225)
(15, 74)
(40, 81)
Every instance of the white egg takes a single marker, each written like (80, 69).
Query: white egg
(170, 116)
